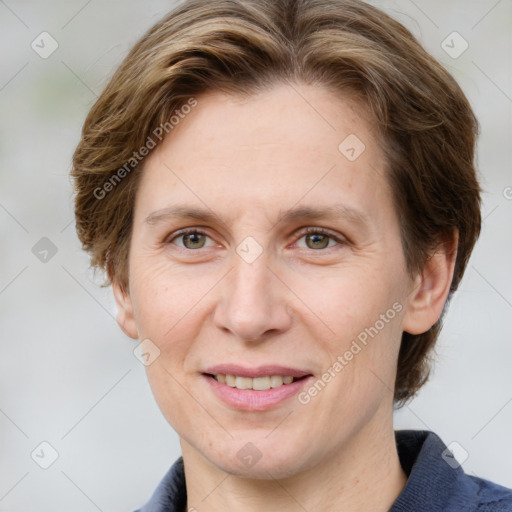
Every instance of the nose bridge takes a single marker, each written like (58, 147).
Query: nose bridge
(253, 302)
(251, 281)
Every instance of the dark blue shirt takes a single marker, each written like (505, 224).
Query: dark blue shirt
(435, 482)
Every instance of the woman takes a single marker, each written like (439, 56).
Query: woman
(283, 196)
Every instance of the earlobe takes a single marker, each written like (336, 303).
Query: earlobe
(125, 317)
(431, 289)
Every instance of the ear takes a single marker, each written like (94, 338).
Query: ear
(125, 317)
(431, 288)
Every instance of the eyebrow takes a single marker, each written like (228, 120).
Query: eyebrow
(183, 212)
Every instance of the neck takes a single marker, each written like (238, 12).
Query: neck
(363, 475)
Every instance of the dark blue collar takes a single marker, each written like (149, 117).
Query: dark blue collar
(435, 483)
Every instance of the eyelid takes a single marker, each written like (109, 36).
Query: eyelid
(185, 231)
(340, 240)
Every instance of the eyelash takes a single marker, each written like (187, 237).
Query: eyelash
(307, 231)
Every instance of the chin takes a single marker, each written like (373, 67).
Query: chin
(260, 461)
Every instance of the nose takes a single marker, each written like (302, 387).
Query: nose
(254, 303)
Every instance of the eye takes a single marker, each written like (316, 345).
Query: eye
(315, 239)
(190, 239)
(319, 238)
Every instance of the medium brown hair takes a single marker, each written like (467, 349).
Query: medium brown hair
(245, 46)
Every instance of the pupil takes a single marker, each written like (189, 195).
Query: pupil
(194, 239)
(317, 239)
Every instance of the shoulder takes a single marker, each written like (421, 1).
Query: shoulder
(171, 493)
(491, 497)
(436, 482)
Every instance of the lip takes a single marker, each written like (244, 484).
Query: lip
(252, 400)
(260, 371)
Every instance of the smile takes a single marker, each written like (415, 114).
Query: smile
(255, 389)
(257, 383)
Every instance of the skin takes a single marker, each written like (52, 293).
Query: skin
(248, 161)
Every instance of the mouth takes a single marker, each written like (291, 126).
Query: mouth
(255, 383)
(255, 389)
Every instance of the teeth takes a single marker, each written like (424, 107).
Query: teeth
(243, 383)
(258, 383)
(276, 381)
(261, 383)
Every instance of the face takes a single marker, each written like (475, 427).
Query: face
(263, 248)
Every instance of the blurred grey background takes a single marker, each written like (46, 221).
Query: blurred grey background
(68, 376)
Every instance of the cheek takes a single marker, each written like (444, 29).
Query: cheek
(345, 300)
(177, 404)
(165, 297)
(356, 324)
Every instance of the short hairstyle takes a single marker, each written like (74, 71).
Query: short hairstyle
(242, 47)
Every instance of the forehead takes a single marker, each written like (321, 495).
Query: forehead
(288, 145)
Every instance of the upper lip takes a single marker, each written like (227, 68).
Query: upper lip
(260, 371)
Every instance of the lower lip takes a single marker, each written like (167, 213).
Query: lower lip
(251, 400)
